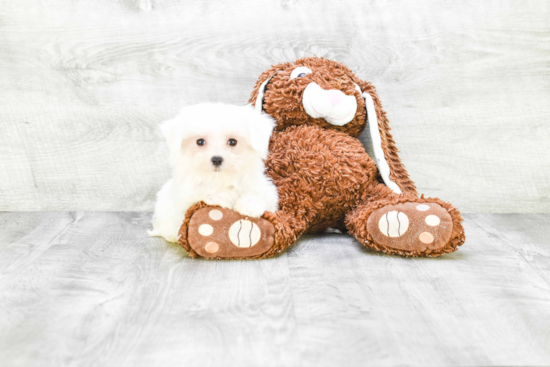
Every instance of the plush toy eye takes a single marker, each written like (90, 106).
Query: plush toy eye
(300, 72)
(232, 142)
(201, 142)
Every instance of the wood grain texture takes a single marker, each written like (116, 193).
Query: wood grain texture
(91, 289)
(84, 84)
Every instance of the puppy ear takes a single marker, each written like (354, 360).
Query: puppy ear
(178, 128)
(171, 130)
(261, 127)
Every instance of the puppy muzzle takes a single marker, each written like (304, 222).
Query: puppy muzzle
(336, 107)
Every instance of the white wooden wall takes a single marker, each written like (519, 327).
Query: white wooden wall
(83, 85)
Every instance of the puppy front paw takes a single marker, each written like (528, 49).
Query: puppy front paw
(220, 200)
(251, 206)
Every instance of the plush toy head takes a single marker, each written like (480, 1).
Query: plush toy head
(313, 91)
(319, 92)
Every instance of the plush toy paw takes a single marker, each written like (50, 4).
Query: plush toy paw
(216, 232)
(411, 226)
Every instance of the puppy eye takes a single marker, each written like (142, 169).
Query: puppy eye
(201, 142)
(300, 72)
(232, 142)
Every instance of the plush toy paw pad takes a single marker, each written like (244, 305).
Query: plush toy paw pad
(394, 223)
(206, 230)
(215, 214)
(224, 233)
(244, 233)
(212, 247)
(411, 226)
(432, 220)
(426, 237)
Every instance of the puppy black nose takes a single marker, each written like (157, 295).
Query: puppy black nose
(217, 161)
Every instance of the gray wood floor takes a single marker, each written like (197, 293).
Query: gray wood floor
(91, 289)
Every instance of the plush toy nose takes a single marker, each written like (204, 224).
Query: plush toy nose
(335, 97)
(217, 161)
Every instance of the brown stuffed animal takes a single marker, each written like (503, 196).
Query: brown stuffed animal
(324, 176)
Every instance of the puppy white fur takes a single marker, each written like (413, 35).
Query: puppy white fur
(218, 153)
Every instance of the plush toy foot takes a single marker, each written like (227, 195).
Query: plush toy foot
(217, 233)
(419, 227)
(411, 226)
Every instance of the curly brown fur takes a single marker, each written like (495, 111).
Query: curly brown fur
(320, 175)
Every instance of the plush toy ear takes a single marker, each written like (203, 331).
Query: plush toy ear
(257, 96)
(261, 127)
(258, 104)
(389, 164)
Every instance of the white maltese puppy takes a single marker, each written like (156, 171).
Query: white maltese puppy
(218, 154)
